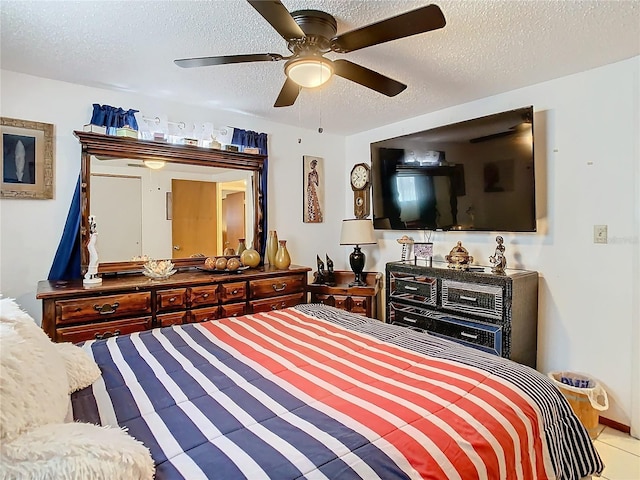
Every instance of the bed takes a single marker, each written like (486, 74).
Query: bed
(315, 392)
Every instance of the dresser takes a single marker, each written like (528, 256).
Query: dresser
(73, 312)
(494, 313)
(362, 299)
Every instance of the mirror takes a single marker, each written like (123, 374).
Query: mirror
(199, 203)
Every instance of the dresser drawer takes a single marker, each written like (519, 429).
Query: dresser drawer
(486, 337)
(277, 303)
(232, 292)
(204, 295)
(271, 287)
(233, 310)
(417, 289)
(408, 316)
(102, 330)
(204, 314)
(168, 319)
(173, 299)
(482, 300)
(102, 308)
(338, 301)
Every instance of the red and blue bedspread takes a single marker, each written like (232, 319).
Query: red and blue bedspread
(315, 392)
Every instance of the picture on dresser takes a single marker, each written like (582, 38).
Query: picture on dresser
(313, 177)
(27, 159)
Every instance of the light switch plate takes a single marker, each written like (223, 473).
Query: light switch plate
(599, 234)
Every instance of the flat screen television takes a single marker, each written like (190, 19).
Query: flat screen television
(476, 175)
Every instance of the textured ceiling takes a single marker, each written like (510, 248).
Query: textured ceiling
(487, 47)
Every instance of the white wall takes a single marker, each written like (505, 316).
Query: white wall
(587, 165)
(30, 230)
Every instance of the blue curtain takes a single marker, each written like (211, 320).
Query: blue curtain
(248, 138)
(66, 263)
(113, 117)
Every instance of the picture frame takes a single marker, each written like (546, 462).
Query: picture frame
(27, 166)
(313, 189)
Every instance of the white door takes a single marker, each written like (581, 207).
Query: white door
(116, 202)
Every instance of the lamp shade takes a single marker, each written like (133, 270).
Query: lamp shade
(357, 232)
(309, 72)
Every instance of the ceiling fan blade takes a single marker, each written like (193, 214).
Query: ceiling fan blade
(368, 78)
(223, 60)
(404, 25)
(279, 17)
(288, 94)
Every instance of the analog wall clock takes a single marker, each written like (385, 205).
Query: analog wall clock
(360, 182)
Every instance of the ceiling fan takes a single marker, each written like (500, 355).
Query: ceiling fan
(310, 34)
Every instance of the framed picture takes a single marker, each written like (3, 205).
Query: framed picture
(313, 178)
(26, 169)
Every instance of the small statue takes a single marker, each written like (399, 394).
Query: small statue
(498, 260)
(91, 277)
(331, 277)
(320, 275)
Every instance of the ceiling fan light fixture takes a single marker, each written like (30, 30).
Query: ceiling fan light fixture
(154, 164)
(309, 72)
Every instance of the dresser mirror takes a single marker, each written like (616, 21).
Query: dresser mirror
(196, 202)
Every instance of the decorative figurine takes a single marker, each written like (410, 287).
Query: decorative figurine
(331, 277)
(320, 274)
(498, 260)
(459, 258)
(91, 277)
(406, 243)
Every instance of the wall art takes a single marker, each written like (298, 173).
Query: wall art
(27, 163)
(314, 180)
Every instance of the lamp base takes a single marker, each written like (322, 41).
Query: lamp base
(356, 260)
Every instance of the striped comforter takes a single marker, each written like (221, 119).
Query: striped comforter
(315, 392)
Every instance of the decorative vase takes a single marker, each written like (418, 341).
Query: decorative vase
(241, 246)
(250, 258)
(282, 260)
(272, 246)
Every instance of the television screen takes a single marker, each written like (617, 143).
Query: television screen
(475, 175)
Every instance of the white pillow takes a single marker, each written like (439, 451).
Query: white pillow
(33, 378)
(75, 451)
(82, 370)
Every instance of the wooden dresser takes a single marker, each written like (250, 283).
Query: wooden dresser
(72, 312)
(357, 299)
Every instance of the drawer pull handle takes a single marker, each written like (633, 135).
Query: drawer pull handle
(468, 299)
(411, 320)
(172, 299)
(280, 288)
(101, 336)
(468, 335)
(205, 295)
(235, 291)
(410, 288)
(106, 309)
(275, 306)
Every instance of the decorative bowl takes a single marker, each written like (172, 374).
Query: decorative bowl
(159, 269)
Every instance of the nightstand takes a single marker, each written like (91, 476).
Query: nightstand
(362, 300)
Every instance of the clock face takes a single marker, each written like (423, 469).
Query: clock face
(360, 176)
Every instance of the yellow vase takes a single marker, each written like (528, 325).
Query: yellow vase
(272, 247)
(282, 259)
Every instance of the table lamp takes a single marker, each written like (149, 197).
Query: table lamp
(357, 232)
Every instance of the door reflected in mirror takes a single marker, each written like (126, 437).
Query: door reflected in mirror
(177, 211)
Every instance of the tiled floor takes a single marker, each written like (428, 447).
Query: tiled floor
(620, 454)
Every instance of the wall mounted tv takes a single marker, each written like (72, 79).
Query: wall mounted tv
(476, 175)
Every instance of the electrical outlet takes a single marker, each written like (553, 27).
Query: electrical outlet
(599, 234)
